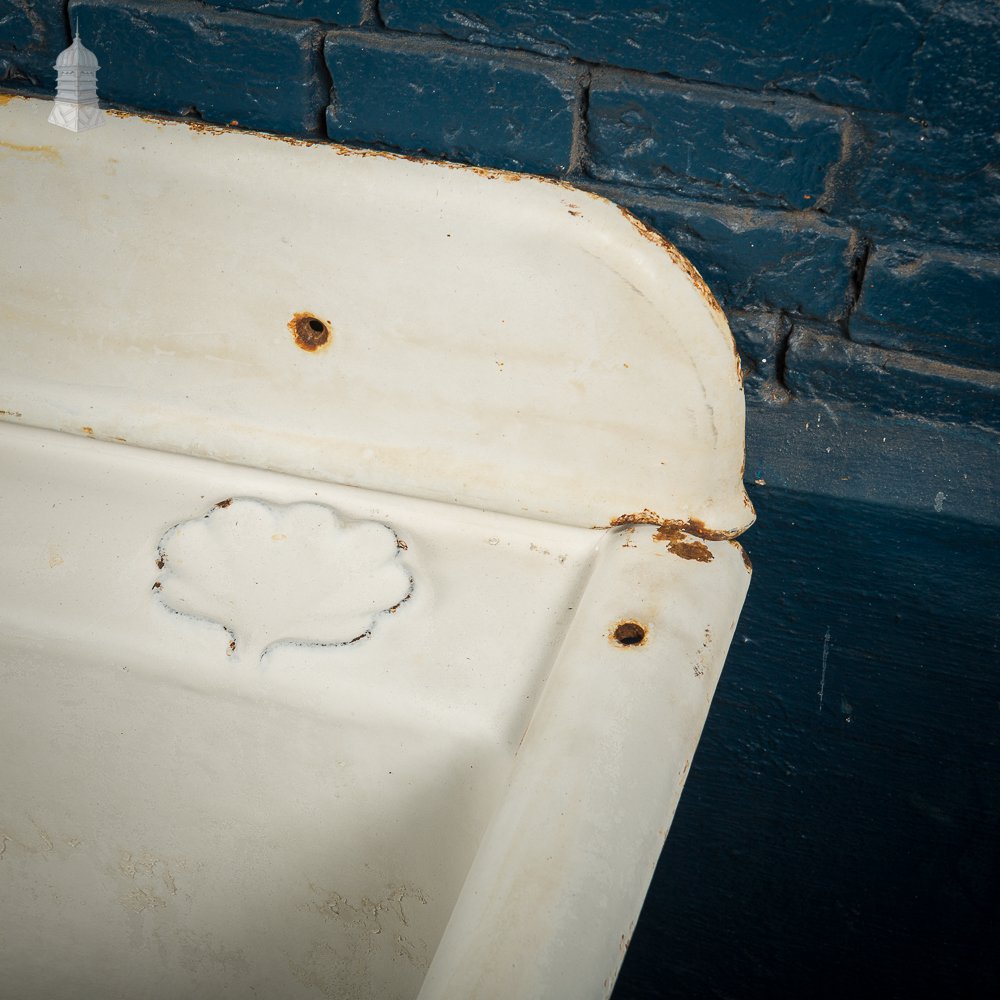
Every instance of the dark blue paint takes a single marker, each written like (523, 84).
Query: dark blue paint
(448, 100)
(853, 52)
(345, 13)
(956, 80)
(857, 453)
(682, 138)
(827, 848)
(760, 339)
(932, 301)
(32, 34)
(180, 58)
(821, 364)
(932, 183)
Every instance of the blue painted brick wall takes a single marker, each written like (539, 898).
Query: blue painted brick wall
(939, 302)
(765, 150)
(399, 92)
(344, 12)
(826, 164)
(183, 58)
(32, 34)
(854, 52)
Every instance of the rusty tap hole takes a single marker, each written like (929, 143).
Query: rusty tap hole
(629, 634)
(309, 332)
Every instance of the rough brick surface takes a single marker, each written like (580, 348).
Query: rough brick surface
(185, 58)
(820, 364)
(931, 182)
(341, 12)
(933, 302)
(683, 138)
(756, 259)
(956, 77)
(32, 34)
(760, 338)
(444, 99)
(854, 52)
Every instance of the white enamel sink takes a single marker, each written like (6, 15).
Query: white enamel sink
(372, 670)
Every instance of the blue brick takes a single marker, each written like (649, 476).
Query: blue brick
(341, 12)
(956, 73)
(934, 301)
(821, 364)
(689, 139)
(854, 52)
(935, 183)
(458, 102)
(755, 259)
(760, 338)
(32, 34)
(180, 57)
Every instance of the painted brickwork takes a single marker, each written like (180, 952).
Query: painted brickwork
(831, 168)
(827, 167)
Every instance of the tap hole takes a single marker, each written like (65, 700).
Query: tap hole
(629, 634)
(309, 331)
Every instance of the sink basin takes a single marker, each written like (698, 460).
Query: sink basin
(368, 568)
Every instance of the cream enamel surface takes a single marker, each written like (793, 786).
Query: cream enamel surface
(498, 342)
(308, 679)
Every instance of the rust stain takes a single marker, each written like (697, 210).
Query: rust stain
(679, 542)
(232, 646)
(626, 938)
(628, 633)
(400, 544)
(669, 529)
(222, 504)
(119, 440)
(89, 431)
(204, 127)
(46, 151)
(6, 99)
(743, 552)
(197, 126)
(698, 551)
(309, 332)
(151, 119)
(161, 561)
(157, 585)
(10, 413)
(694, 526)
(646, 516)
(488, 172)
